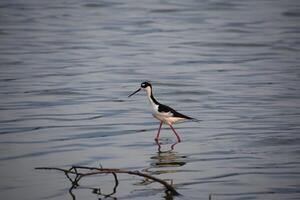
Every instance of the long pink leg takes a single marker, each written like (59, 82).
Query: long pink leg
(157, 135)
(178, 138)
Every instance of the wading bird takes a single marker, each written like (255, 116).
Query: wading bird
(163, 113)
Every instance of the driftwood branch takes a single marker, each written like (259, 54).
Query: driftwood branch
(81, 171)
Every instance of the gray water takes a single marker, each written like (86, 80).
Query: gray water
(67, 68)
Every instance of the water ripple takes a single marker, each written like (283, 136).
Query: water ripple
(68, 67)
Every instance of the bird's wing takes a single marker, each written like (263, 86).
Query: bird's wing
(166, 110)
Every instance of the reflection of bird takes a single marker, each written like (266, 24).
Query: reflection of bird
(163, 113)
(167, 158)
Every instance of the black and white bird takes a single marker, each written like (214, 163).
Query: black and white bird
(163, 113)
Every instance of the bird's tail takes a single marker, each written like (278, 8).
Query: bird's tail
(195, 120)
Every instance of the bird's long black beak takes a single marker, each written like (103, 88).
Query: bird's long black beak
(135, 92)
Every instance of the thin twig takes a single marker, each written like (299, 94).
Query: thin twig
(94, 170)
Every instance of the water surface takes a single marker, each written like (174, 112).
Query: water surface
(67, 68)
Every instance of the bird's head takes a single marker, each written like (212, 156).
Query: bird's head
(144, 86)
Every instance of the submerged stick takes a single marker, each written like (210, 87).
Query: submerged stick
(94, 170)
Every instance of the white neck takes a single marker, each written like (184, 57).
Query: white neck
(149, 92)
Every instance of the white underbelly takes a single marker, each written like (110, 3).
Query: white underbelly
(167, 119)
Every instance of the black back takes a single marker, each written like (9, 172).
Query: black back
(164, 108)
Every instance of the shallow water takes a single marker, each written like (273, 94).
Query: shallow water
(67, 68)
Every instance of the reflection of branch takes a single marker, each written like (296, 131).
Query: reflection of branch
(81, 171)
